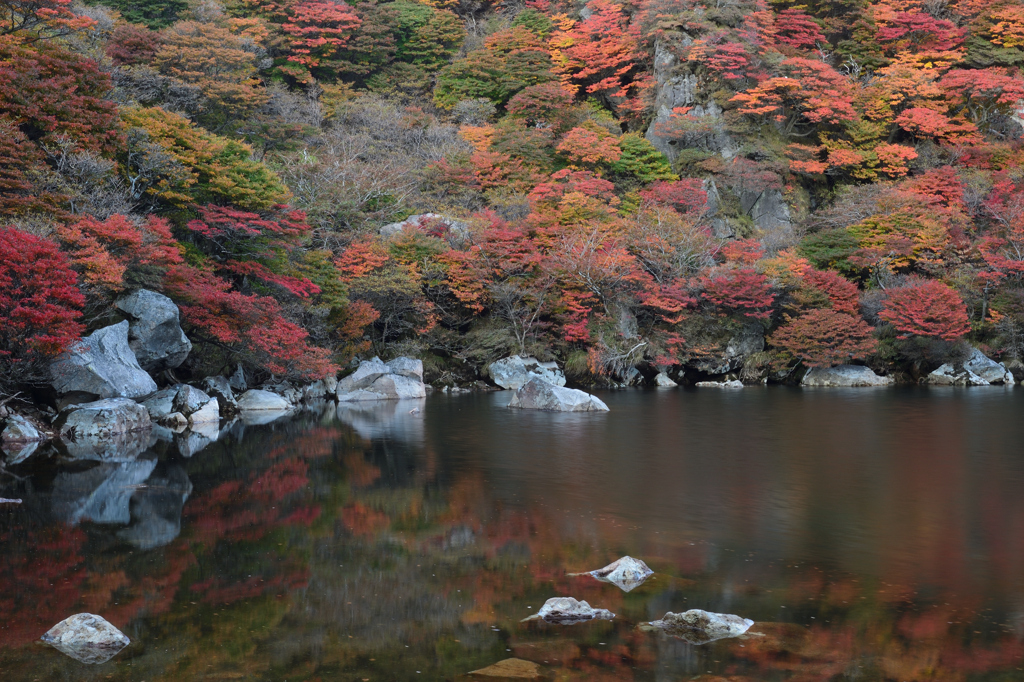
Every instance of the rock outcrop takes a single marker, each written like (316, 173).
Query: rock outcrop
(398, 379)
(220, 388)
(662, 380)
(746, 342)
(538, 394)
(513, 372)
(194, 405)
(844, 376)
(444, 226)
(102, 419)
(567, 611)
(154, 331)
(102, 365)
(87, 638)
(256, 400)
(700, 627)
(977, 370)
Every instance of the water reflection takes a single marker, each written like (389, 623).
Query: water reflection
(870, 535)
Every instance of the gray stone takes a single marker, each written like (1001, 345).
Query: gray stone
(747, 341)
(989, 370)
(457, 229)
(209, 413)
(700, 627)
(175, 421)
(256, 400)
(948, 375)
(161, 404)
(101, 494)
(189, 399)
(237, 380)
(87, 638)
(734, 383)
(538, 394)
(626, 573)
(20, 430)
(844, 376)
(567, 611)
(101, 419)
(321, 389)
(662, 380)
(156, 509)
(220, 388)
(513, 372)
(367, 372)
(154, 333)
(102, 365)
(399, 379)
(406, 367)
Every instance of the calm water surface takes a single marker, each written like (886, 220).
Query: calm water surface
(872, 535)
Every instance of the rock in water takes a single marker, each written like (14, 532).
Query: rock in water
(19, 430)
(662, 380)
(626, 573)
(102, 419)
(735, 383)
(513, 372)
(538, 394)
(566, 611)
(511, 669)
(844, 376)
(154, 332)
(700, 627)
(978, 370)
(102, 365)
(255, 399)
(86, 638)
(398, 379)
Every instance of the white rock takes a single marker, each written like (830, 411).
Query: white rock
(735, 383)
(258, 400)
(209, 413)
(662, 379)
(399, 379)
(700, 627)
(844, 376)
(102, 419)
(566, 611)
(538, 394)
(626, 573)
(513, 372)
(986, 369)
(20, 430)
(87, 638)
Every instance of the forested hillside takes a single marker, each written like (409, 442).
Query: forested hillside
(615, 186)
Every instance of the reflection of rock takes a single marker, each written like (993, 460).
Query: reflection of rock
(538, 394)
(393, 419)
(86, 638)
(256, 400)
(101, 420)
(511, 669)
(626, 573)
(513, 372)
(399, 379)
(156, 509)
(101, 494)
(198, 437)
(566, 611)
(844, 375)
(120, 447)
(978, 370)
(154, 333)
(102, 365)
(700, 627)
(15, 453)
(262, 417)
(735, 383)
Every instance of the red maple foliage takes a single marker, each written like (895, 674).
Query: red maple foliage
(926, 308)
(743, 290)
(824, 337)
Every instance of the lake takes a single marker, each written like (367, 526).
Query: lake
(871, 534)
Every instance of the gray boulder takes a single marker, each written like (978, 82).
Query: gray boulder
(567, 611)
(220, 388)
(326, 388)
(161, 404)
(237, 381)
(513, 372)
(101, 494)
(18, 429)
(625, 573)
(538, 394)
(256, 400)
(102, 365)
(154, 331)
(208, 413)
(662, 380)
(86, 638)
(989, 370)
(399, 379)
(188, 401)
(844, 376)
(102, 419)
(700, 627)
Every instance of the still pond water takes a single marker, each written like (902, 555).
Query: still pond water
(871, 534)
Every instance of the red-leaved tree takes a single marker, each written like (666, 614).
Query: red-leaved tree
(743, 290)
(926, 308)
(824, 337)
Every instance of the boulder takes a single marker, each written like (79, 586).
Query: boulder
(700, 627)
(86, 638)
(154, 331)
(175, 421)
(538, 394)
(18, 429)
(567, 611)
(443, 226)
(626, 573)
(102, 365)
(209, 413)
(399, 379)
(255, 400)
(286, 390)
(220, 388)
(979, 365)
(948, 375)
(734, 383)
(844, 376)
(662, 380)
(513, 372)
(101, 494)
(322, 389)
(102, 419)
(237, 381)
(511, 669)
(187, 401)
(161, 404)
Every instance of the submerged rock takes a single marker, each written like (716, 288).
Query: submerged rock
(626, 573)
(101, 365)
(566, 611)
(513, 372)
(154, 332)
(512, 669)
(87, 638)
(700, 627)
(258, 400)
(844, 376)
(398, 379)
(538, 394)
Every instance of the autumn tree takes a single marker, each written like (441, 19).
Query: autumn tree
(824, 337)
(926, 308)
